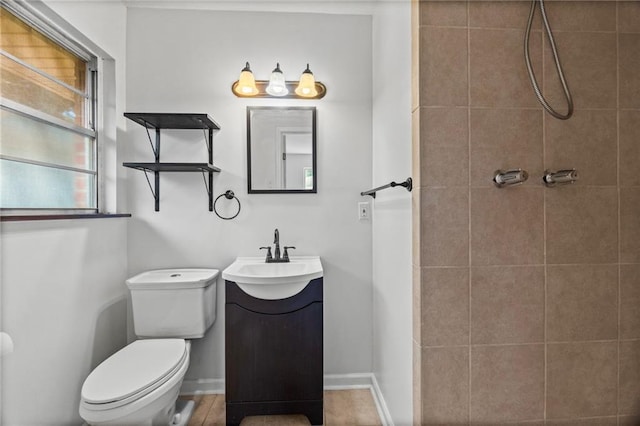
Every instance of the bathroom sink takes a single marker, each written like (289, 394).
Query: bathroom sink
(273, 281)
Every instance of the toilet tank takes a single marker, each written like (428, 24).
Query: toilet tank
(173, 302)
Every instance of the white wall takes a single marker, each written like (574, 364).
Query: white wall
(62, 282)
(392, 329)
(64, 305)
(186, 61)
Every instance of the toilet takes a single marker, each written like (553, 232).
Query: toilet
(140, 384)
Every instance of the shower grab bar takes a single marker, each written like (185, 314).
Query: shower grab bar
(408, 184)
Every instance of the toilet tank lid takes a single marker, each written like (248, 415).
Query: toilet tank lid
(134, 368)
(173, 278)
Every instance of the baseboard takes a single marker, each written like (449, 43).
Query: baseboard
(331, 382)
(381, 405)
(202, 386)
(347, 381)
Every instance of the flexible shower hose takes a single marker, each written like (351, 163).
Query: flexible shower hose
(554, 50)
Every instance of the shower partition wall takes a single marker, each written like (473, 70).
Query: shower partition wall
(526, 298)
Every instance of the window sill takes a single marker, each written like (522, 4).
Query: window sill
(23, 218)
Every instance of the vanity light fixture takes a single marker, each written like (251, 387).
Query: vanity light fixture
(306, 88)
(277, 85)
(307, 85)
(246, 84)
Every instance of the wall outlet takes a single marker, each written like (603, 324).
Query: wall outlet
(364, 211)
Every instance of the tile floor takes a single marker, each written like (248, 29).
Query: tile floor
(353, 407)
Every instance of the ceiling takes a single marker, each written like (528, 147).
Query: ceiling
(348, 7)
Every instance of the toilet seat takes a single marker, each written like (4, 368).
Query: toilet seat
(133, 372)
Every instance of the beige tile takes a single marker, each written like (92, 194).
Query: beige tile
(629, 378)
(444, 154)
(502, 14)
(629, 420)
(582, 302)
(629, 226)
(581, 15)
(497, 70)
(630, 301)
(598, 421)
(507, 383)
(444, 227)
(291, 420)
(629, 16)
(416, 226)
(582, 225)
(581, 379)
(445, 306)
(525, 423)
(629, 63)
(343, 407)
(586, 58)
(365, 406)
(217, 415)
(507, 226)
(443, 66)
(629, 147)
(202, 407)
(586, 142)
(253, 421)
(445, 385)
(353, 407)
(505, 139)
(507, 304)
(443, 13)
(336, 408)
(416, 303)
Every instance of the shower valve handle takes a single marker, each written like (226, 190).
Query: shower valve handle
(561, 177)
(509, 177)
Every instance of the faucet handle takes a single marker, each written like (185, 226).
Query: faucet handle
(268, 249)
(285, 256)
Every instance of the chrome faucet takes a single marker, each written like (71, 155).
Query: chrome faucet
(276, 254)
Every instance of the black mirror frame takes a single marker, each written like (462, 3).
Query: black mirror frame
(314, 152)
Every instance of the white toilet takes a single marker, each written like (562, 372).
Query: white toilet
(139, 384)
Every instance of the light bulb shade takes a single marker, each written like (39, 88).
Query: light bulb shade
(246, 85)
(277, 85)
(307, 85)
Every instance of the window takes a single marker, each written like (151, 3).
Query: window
(48, 152)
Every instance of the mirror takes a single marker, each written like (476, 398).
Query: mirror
(281, 150)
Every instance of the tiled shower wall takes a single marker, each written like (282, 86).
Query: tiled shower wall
(526, 299)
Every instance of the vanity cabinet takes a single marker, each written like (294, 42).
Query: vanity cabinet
(273, 354)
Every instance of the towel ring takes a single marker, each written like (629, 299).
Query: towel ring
(229, 195)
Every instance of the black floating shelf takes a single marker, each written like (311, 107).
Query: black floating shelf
(160, 120)
(173, 167)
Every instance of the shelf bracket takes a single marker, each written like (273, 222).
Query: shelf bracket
(156, 193)
(155, 149)
(209, 188)
(208, 142)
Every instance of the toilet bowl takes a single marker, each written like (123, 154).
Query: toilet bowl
(139, 384)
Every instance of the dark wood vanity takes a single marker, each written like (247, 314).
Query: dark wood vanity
(273, 354)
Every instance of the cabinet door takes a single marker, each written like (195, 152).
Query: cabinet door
(273, 357)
